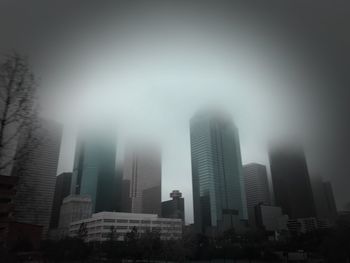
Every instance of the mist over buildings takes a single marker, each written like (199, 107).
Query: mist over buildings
(144, 69)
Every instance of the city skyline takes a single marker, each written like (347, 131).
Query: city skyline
(188, 194)
(174, 131)
(127, 74)
(152, 70)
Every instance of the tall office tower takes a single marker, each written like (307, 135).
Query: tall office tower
(324, 199)
(291, 182)
(94, 170)
(62, 189)
(37, 177)
(256, 188)
(174, 208)
(332, 207)
(126, 200)
(142, 174)
(118, 188)
(218, 190)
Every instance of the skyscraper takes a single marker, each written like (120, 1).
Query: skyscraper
(218, 190)
(37, 177)
(291, 182)
(142, 175)
(256, 188)
(62, 189)
(94, 171)
(324, 199)
(118, 188)
(332, 207)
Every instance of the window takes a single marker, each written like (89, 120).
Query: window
(122, 220)
(122, 227)
(108, 220)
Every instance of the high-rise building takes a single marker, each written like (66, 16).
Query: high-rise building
(12, 232)
(37, 177)
(218, 190)
(74, 208)
(126, 199)
(332, 207)
(118, 189)
(142, 175)
(8, 186)
(62, 189)
(324, 199)
(256, 188)
(291, 182)
(174, 208)
(94, 171)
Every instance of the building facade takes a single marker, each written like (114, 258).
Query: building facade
(94, 171)
(74, 208)
(8, 185)
(304, 225)
(270, 218)
(291, 182)
(118, 189)
(142, 178)
(218, 188)
(324, 199)
(62, 189)
(101, 225)
(174, 208)
(256, 188)
(37, 177)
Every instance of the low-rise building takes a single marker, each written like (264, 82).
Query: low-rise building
(270, 218)
(100, 226)
(304, 225)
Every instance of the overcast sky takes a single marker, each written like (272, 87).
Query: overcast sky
(145, 69)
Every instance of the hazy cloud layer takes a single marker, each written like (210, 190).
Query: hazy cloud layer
(280, 69)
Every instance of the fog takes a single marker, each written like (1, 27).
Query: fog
(146, 69)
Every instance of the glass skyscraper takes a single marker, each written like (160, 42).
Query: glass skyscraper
(94, 172)
(218, 191)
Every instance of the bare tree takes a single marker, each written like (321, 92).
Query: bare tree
(18, 111)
